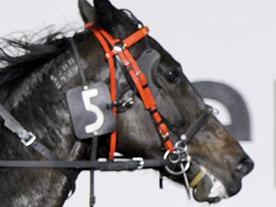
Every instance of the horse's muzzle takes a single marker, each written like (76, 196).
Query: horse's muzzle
(245, 166)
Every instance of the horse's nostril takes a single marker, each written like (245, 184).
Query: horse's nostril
(240, 166)
(245, 166)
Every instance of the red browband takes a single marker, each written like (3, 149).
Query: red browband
(138, 77)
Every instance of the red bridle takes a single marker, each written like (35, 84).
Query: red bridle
(138, 77)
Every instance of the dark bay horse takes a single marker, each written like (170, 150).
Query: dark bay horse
(34, 85)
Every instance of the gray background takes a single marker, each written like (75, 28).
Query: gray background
(229, 41)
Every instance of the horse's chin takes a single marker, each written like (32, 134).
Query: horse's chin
(212, 190)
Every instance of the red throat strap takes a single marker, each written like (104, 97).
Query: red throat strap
(138, 77)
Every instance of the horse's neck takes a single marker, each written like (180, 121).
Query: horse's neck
(39, 104)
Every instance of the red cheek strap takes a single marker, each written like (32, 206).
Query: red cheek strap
(137, 76)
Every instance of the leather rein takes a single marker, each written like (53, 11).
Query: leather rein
(176, 159)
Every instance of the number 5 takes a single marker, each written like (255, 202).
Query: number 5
(87, 95)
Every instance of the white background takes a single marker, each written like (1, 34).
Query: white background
(229, 41)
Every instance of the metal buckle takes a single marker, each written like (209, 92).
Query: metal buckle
(141, 162)
(164, 136)
(211, 110)
(128, 103)
(182, 161)
(140, 25)
(102, 160)
(181, 157)
(28, 142)
(119, 47)
(123, 105)
(183, 137)
(181, 146)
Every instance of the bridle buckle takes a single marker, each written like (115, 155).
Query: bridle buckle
(141, 162)
(119, 47)
(179, 161)
(31, 139)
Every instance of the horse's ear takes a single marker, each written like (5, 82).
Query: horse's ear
(106, 14)
(87, 11)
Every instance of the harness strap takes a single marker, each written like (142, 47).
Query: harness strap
(136, 37)
(146, 95)
(93, 158)
(113, 85)
(104, 166)
(30, 140)
(120, 49)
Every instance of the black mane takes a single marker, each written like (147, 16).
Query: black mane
(35, 54)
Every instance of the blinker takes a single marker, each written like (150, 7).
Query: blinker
(148, 62)
(89, 110)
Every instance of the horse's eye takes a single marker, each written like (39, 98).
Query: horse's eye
(173, 76)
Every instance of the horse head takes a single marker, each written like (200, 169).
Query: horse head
(212, 148)
(34, 88)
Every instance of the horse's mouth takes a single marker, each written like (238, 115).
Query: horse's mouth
(210, 190)
(214, 200)
(215, 187)
(214, 196)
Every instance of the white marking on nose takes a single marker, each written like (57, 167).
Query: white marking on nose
(218, 189)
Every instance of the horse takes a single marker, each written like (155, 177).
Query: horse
(33, 89)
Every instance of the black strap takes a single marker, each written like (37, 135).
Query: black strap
(194, 127)
(78, 60)
(42, 150)
(46, 153)
(93, 158)
(161, 181)
(198, 123)
(14, 126)
(30, 140)
(128, 165)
